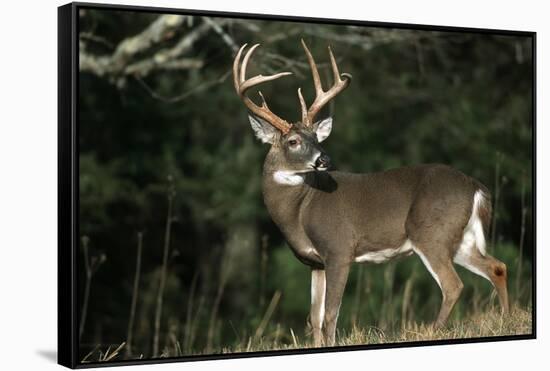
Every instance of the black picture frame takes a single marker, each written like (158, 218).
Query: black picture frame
(68, 182)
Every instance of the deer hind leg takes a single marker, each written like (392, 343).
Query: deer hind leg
(336, 278)
(317, 311)
(485, 266)
(442, 270)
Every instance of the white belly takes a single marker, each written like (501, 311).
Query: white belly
(385, 255)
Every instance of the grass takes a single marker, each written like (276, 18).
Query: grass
(398, 312)
(491, 323)
(483, 324)
(109, 355)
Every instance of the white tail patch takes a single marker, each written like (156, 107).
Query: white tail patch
(473, 238)
(474, 224)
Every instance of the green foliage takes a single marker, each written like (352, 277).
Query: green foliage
(292, 278)
(463, 99)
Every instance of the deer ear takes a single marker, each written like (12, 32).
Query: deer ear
(323, 128)
(264, 130)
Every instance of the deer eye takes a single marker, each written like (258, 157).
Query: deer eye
(293, 142)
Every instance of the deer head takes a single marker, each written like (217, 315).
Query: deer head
(295, 147)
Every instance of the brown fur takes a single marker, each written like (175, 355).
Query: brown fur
(334, 217)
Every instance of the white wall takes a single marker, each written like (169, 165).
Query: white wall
(28, 181)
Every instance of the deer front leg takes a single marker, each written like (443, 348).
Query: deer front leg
(317, 311)
(336, 278)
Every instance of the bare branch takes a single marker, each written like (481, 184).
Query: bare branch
(144, 67)
(156, 32)
(130, 56)
(197, 89)
(247, 25)
(224, 35)
(365, 40)
(98, 39)
(185, 44)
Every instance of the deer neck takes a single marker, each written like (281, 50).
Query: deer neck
(285, 192)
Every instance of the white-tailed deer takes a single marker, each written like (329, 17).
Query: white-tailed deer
(332, 219)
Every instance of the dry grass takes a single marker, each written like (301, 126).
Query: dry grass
(481, 325)
(487, 324)
(101, 356)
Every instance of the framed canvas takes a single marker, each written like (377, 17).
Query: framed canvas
(243, 185)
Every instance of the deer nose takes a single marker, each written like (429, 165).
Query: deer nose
(323, 161)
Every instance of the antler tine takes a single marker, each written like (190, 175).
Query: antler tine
(242, 85)
(260, 79)
(303, 105)
(322, 97)
(245, 62)
(314, 70)
(264, 103)
(236, 81)
(335, 72)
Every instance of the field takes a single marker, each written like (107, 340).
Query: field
(381, 306)
(480, 325)
(492, 323)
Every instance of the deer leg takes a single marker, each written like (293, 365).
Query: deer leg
(446, 277)
(488, 267)
(317, 311)
(336, 278)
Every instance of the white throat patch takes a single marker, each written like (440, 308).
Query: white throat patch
(286, 177)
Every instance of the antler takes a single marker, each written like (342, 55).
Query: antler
(242, 85)
(322, 97)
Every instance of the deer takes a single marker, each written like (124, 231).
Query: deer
(332, 219)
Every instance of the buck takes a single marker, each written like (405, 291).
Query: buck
(332, 219)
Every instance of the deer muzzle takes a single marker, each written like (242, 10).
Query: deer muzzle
(322, 162)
